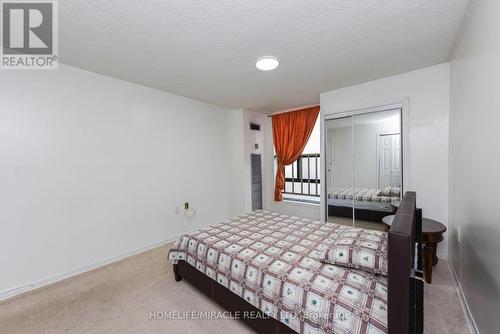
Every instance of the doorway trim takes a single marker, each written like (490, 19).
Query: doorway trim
(400, 103)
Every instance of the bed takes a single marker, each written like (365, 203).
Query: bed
(369, 204)
(268, 264)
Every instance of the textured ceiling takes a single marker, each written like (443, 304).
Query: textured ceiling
(207, 49)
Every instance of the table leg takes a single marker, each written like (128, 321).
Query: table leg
(434, 256)
(428, 252)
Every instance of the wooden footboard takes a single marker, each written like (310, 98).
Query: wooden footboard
(405, 282)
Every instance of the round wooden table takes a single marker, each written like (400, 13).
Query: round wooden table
(432, 234)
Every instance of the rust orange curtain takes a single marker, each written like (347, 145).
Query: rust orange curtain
(291, 131)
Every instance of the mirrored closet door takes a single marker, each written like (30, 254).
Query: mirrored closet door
(339, 170)
(364, 167)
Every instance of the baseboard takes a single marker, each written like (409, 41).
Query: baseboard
(14, 292)
(463, 301)
(442, 254)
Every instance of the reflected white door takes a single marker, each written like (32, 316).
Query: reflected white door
(389, 161)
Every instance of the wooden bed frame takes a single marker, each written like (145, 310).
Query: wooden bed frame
(405, 282)
(361, 214)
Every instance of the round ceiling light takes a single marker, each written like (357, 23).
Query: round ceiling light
(267, 63)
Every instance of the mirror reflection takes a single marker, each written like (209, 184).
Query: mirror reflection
(364, 174)
(339, 170)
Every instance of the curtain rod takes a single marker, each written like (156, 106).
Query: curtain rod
(294, 109)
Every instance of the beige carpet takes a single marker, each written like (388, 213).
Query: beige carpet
(118, 298)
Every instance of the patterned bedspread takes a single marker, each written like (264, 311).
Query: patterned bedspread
(271, 260)
(365, 195)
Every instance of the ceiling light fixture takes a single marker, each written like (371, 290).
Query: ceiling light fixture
(267, 63)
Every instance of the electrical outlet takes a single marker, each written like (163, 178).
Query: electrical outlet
(459, 234)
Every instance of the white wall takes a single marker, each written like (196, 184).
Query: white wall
(242, 142)
(236, 141)
(428, 92)
(252, 137)
(475, 163)
(93, 167)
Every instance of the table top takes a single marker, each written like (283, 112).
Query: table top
(429, 226)
(388, 220)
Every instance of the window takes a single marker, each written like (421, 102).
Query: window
(302, 178)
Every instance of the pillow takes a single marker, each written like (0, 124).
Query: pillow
(396, 192)
(390, 192)
(385, 192)
(360, 249)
